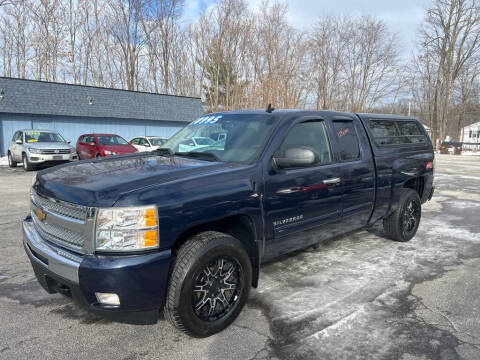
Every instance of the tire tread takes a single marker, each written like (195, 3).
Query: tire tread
(182, 260)
(391, 224)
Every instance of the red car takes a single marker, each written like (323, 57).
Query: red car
(100, 145)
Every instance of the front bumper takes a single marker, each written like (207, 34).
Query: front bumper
(139, 280)
(47, 158)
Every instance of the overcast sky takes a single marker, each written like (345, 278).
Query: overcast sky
(402, 16)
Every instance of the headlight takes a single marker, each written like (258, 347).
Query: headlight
(108, 152)
(127, 229)
(34, 151)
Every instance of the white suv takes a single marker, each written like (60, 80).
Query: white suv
(31, 147)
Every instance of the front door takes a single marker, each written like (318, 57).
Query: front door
(302, 205)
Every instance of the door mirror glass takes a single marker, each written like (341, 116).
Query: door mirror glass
(67, 141)
(146, 144)
(19, 141)
(295, 157)
(91, 143)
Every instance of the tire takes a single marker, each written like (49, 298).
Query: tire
(403, 224)
(98, 156)
(27, 166)
(200, 277)
(11, 163)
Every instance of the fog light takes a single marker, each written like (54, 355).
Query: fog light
(107, 298)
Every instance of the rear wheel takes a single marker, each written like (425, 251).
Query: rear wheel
(403, 224)
(11, 163)
(209, 284)
(27, 166)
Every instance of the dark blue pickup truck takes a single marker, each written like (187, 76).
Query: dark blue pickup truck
(186, 228)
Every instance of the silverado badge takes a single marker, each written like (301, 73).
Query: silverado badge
(40, 214)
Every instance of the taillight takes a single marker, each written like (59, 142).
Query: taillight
(431, 165)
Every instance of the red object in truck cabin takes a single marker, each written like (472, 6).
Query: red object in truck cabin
(101, 145)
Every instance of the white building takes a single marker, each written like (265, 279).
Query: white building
(471, 133)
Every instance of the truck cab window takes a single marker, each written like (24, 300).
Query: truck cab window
(347, 139)
(393, 132)
(310, 134)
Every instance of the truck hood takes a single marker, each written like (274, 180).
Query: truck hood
(102, 182)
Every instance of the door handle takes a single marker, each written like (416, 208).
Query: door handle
(331, 181)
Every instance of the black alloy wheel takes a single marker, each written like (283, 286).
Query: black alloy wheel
(410, 218)
(209, 283)
(217, 288)
(402, 224)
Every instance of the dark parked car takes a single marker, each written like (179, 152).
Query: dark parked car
(188, 231)
(101, 145)
(447, 147)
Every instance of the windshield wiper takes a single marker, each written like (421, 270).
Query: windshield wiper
(164, 151)
(199, 155)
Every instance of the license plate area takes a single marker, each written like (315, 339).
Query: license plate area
(57, 157)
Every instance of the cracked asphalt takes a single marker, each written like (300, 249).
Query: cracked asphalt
(359, 296)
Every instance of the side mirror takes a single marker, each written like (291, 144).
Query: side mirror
(68, 141)
(295, 157)
(19, 142)
(92, 143)
(147, 145)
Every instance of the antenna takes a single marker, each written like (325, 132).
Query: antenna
(270, 108)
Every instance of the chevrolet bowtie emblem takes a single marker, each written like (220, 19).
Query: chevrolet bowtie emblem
(40, 214)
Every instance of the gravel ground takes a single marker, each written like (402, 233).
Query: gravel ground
(357, 297)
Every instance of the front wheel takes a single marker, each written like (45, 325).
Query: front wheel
(403, 224)
(209, 284)
(27, 166)
(11, 163)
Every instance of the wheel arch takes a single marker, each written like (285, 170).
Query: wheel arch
(417, 184)
(240, 226)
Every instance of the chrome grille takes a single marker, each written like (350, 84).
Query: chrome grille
(55, 151)
(69, 210)
(58, 234)
(64, 224)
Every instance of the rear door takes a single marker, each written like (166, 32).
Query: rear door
(356, 169)
(303, 205)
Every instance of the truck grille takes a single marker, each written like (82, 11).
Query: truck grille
(55, 151)
(69, 210)
(65, 224)
(58, 235)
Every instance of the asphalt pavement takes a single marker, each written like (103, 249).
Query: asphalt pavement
(360, 296)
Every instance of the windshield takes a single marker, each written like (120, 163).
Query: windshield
(111, 140)
(41, 136)
(242, 138)
(203, 141)
(157, 141)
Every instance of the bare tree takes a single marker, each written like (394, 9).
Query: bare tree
(451, 33)
(125, 27)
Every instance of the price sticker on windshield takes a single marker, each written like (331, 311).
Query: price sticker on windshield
(207, 120)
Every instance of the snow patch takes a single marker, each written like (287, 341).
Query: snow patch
(4, 161)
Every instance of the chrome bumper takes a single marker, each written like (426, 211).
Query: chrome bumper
(58, 261)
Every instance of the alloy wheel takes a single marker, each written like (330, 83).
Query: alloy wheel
(410, 218)
(217, 289)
